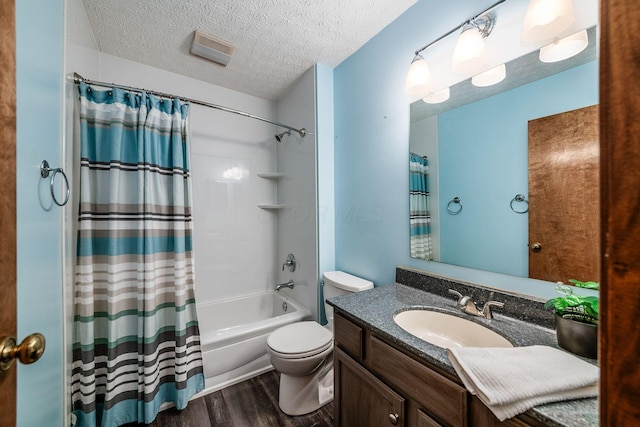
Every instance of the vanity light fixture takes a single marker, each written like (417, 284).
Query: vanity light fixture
(437, 97)
(546, 19)
(470, 53)
(418, 80)
(490, 77)
(564, 48)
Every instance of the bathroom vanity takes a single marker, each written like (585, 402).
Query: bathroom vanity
(385, 376)
(396, 388)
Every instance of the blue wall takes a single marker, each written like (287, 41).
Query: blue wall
(39, 67)
(325, 156)
(483, 160)
(372, 141)
(371, 146)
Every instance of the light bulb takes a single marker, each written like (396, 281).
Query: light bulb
(470, 53)
(418, 81)
(490, 77)
(565, 48)
(437, 97)
(546, 19)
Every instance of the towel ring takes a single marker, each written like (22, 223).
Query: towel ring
(44, 173)
(520, 198)
(454, 201)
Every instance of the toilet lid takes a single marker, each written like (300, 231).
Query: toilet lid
(301, 337)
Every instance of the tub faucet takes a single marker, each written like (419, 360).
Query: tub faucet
(289, 285)
(468, 306)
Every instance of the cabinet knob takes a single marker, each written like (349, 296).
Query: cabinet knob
(536, 247)
(393, 418)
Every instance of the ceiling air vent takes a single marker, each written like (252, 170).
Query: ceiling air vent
(211, 48)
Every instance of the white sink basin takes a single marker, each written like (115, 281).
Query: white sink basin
(446, 330)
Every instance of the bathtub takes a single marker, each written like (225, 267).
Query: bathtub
(233, 335)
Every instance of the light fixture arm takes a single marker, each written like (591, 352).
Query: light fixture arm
(422, 49)
(479, 18)
(483, 23)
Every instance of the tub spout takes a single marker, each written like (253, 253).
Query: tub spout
(289, 285)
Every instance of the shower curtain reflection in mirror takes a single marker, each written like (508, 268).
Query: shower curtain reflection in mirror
(136, 342)
(420, 219)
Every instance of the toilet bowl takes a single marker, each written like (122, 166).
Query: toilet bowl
(302, 352)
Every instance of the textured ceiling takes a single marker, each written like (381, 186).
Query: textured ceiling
(276, 40)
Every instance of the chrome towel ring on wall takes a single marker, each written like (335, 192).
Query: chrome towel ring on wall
(520, 198)
(451, 206)
(44, 173)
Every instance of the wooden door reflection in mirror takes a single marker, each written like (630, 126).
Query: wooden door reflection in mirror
(564, 196)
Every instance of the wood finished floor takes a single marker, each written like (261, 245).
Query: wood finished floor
(252, 403)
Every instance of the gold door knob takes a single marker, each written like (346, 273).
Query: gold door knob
(393, 418)
(28, 351)
(536, 247)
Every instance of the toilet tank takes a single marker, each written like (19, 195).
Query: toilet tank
(336, 283)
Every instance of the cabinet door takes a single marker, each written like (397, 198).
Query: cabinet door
(425, 420)
(362, 400)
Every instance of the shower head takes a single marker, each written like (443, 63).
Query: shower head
(280, 135)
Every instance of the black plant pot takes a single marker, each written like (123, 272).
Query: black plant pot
(577, 337)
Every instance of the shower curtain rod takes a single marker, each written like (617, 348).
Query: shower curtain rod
(77, 78)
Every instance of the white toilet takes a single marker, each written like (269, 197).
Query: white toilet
(302, 352)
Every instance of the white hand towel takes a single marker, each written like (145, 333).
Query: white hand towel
(512, 380)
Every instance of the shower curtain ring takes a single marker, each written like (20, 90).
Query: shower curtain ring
(44, 173)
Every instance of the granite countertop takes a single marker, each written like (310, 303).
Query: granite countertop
(374, 309)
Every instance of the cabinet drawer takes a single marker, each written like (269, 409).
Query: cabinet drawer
(348, 336)
(440, 397)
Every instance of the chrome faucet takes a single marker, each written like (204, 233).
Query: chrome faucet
(289, 285)
(486, 309)
(468, 306)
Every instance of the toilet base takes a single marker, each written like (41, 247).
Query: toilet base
(302, 395)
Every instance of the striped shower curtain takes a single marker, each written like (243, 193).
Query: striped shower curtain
(420, 219)
(136, 342)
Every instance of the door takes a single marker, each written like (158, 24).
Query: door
(8, 202)
(564, 218)
(362, 400)
(620, 131)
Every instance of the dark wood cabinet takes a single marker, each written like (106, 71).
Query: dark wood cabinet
(378, 384)
(425, 420)
(362, 400)
(439, 397)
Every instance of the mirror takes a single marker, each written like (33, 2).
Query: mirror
(477, 149)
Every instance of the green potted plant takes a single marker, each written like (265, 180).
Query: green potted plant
(576, 319)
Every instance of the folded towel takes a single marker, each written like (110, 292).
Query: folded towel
(512, 380)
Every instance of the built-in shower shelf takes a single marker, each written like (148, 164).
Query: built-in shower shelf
(271, 175)
(271, 207)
